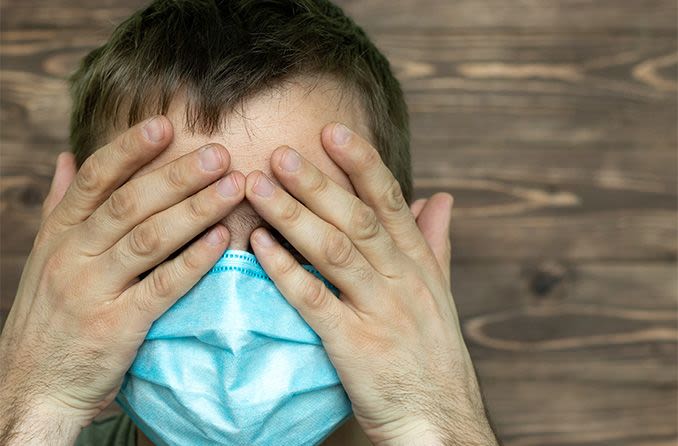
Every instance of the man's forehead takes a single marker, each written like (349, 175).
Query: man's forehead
(292, 114)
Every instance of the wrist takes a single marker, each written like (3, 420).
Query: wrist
(36, 422)
(464, 422)
(410, 433)
(467, 432)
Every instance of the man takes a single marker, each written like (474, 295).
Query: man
(239, 79)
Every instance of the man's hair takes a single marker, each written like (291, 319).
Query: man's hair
(221, 52)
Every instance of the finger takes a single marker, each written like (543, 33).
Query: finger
(151, 193)
(377, 187)
(156, 238)
(326, 247)
(109, 167)
(434, 221)
(64, 172)
(416, 207)
(149, 298)
(321, 309)
(337, 206)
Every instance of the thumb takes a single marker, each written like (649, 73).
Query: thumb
(434, 221)
(64, 173)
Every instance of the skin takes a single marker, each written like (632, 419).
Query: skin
(291, 115)
(82, 310)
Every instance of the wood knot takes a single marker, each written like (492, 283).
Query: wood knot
(31, 196)
(545, 279)
(23, 195)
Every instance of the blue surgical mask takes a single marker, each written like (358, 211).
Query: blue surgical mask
(233, 363)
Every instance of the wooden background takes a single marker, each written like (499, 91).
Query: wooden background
(553, 123)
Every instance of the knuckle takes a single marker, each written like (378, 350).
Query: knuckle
(197, 209)
(286, 266)
(122, 204)
(364, 221)
(316, 299)
(319, 184)
(144, 240)
(314, 294)
(55, 276)
(370, 158)
(104, 322)
(191, 260)
(87, 179)
(54, 263)
(338, 249)
(362, 275)
(161, 283)
(175, 176)
(393, 200)
(141, 303)
(291, 212)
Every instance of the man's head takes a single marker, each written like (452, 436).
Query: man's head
(249, 74)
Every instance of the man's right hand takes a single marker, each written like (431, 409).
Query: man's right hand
(81, 310)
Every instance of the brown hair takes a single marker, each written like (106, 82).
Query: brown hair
(222, 52)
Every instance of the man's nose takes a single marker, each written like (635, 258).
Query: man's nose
(240, 224)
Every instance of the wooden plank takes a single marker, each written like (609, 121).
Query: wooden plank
(572, 15)
(573, 354)
(534, 88)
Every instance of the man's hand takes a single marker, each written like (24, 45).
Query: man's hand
(81, 310)
(393, 335)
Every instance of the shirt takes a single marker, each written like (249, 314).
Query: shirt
(116, 430)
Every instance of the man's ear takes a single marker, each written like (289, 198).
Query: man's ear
(434, 220)
(417, 206)
(64, 173)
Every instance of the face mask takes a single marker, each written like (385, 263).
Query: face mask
(233, 363)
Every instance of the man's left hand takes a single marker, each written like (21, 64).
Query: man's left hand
(393, 335)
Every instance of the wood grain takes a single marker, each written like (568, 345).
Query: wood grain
(552, 122)
(570, 15)
(586, 351)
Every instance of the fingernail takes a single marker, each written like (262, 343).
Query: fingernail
(263, 187)
(153, 130)
(227, 186)
(210, 159)
(290, 160)
(263, 238)
(341, 134)
(214, 237)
